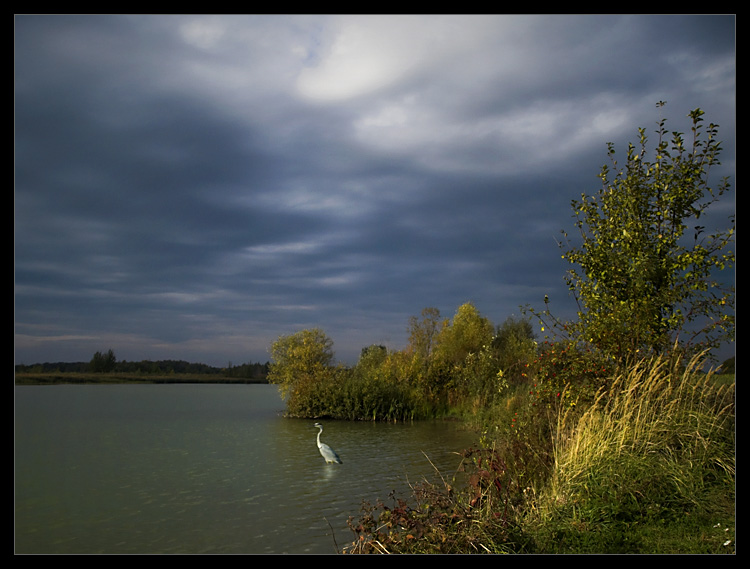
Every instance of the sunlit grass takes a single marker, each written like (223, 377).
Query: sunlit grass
(648, 467)
(650, 460)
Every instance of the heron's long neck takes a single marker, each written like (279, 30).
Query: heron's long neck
(320, 432)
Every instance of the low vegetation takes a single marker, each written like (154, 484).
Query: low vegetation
(648, 467)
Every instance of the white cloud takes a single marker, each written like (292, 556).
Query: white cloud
(504, 141)
(370, 53)
(366, 54)
(204, 32)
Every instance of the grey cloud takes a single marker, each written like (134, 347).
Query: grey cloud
(194, 186)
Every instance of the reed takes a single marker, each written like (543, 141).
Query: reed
(656, 445)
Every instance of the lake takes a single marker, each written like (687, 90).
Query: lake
(211, 469)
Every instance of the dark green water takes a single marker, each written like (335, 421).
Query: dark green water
(201, 469)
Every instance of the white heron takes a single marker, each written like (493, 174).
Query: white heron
(327, 452)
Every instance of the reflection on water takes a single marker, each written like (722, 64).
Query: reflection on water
(202, 469)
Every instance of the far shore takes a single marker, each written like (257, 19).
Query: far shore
(58, 378)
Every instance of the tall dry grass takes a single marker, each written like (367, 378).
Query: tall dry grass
(655, 444)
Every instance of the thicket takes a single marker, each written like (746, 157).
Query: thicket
(450, 366)
(647, 467)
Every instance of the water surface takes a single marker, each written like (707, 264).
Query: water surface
(202, 469)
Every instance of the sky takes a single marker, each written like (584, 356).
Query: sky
(192, 187)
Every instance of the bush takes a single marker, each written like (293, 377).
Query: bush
(568, 375)
(439, 519)
(515, 347)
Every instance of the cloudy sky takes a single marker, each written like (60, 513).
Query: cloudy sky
(192, 187)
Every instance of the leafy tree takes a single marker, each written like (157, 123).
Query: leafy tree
(468, 332)
(371, 362)
(372, 356)
(515, 346)
(456, 349)
(644, 274)
(299, 359)
(103, 363)
(423, 333)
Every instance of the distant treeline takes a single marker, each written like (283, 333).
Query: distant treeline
(255, 371)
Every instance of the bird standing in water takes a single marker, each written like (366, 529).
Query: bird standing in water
(327, 452)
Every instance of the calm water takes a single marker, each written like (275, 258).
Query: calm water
(201, 469)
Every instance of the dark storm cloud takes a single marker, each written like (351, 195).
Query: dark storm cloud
(193, 186)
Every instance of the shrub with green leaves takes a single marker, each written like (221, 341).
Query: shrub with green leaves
(644, 270)
(567, 374)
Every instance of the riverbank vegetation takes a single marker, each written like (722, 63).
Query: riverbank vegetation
(609, 433)
(432, 377)
(647, 467)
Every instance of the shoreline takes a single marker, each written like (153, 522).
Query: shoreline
(71, 378)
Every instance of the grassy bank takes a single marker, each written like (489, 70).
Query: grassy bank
(647, 467)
